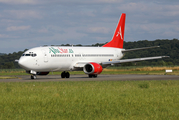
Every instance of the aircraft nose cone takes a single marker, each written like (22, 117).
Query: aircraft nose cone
(22, 63)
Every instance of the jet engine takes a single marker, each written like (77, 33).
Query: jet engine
(92, 68)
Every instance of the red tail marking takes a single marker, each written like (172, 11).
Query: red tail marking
(118, 38)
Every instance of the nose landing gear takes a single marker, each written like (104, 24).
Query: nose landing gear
(33, 77)
(65, 74)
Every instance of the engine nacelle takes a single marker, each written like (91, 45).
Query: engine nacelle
(92, 68)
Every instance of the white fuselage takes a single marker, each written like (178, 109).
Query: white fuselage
(60, 58)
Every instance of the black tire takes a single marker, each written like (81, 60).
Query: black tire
(90, 76)
(95, 76)
(63, 75)
(33, 77)
(67, 75)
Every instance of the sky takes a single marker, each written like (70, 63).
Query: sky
(25, 24)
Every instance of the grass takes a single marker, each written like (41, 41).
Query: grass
(7, 77)
(142, 70)
(12, 72)
(90, 100)
(145, 68)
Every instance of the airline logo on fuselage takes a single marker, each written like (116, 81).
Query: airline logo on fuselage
(60, 50)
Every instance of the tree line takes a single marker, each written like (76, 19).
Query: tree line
(2, 54)
(167, 48)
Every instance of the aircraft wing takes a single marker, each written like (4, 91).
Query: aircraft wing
(105, 64)
(80, 64)
(132, 60)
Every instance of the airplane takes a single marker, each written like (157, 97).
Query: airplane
(90, 60)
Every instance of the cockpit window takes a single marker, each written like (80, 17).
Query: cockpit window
(33, 55)
(27, 54)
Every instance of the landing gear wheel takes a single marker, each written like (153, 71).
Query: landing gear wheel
(33, 77)
(90, 76)
(95, 76)
(65, 74)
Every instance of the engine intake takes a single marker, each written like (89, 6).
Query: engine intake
(92, 68)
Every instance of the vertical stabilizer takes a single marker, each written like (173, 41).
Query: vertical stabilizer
(118, 38)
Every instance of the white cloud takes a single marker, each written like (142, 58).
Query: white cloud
(106, 1)
(150, 8)
(3, 36)
(18, 1)
(169, 33)
(23, 14)
(17, 28)
(72, 21)
(69, 2)
(88, 1)
(170, 10)
(134, 7)
(98, 30)
(43, 31)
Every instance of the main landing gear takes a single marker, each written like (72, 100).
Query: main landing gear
(33, 77)
(65, 74)
(90, 76)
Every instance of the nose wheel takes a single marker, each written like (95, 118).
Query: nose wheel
(65, 74)
(33, 77)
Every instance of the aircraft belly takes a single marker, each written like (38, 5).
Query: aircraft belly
(59, 65)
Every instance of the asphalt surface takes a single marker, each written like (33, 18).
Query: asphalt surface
(85, 78)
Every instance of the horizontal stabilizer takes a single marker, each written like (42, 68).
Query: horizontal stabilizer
(16, 61)
(135, 49)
